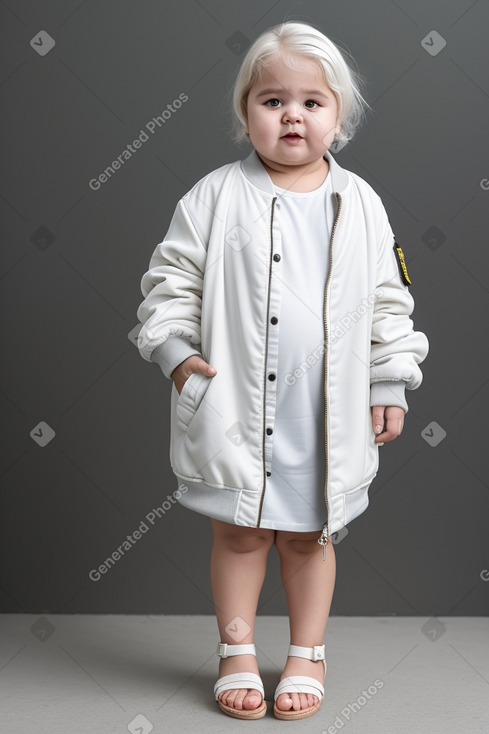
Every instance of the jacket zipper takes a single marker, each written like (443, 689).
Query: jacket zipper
(323, 539)
(266, 355)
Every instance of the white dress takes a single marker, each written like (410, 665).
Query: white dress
(294, 493)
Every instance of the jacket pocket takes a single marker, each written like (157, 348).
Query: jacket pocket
(191, 396)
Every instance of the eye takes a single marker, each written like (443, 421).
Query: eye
(310, 102)
(271, 102)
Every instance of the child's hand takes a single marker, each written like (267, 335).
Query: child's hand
(193, 363)
(387, 423)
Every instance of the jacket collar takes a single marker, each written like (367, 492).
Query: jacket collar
(256, 173)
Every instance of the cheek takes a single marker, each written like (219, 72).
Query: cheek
(260, 124)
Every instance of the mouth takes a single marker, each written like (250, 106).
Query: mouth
(292, 136)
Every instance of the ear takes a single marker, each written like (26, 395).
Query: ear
(339, 120)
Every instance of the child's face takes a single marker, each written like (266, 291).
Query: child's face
(284, 100)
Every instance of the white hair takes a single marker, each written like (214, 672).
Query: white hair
(284, 41)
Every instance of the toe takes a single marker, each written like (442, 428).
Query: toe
(241, 698)
(308, 700)
(284, 702)
(252, 700)
(296, 701)
(229, 697)
(238, 699)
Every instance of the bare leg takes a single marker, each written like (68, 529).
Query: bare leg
(238, 567)
(309, 584)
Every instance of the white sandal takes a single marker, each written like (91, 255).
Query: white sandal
(239, 680)
(301, 684)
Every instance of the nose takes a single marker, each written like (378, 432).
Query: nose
(293, 112)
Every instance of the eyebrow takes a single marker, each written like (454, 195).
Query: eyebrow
(312, 92)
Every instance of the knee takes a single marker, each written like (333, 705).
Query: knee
(299, 543)
(239, 539)
(250, 542)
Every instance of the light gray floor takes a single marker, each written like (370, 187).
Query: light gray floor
(97, 673)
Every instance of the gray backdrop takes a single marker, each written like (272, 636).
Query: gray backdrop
(86, 420)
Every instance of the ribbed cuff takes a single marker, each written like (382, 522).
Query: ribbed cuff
(389, 392)
(173, 351)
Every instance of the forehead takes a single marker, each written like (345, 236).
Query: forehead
(300, 71)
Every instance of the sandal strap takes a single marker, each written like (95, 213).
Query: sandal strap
(299, 684)
(226, 651)
(239, 680)
(311, 653)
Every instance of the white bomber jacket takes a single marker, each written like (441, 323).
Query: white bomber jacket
(207, 292)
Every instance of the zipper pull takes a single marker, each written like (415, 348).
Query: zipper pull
(323, 540)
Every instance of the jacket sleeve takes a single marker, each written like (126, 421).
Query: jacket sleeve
(390, 392)
(396, 348)
(172, 289)
(174, 351)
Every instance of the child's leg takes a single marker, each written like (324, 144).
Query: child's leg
(238, 567)
(309, 584)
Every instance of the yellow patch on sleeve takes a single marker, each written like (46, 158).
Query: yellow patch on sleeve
(403, 271)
